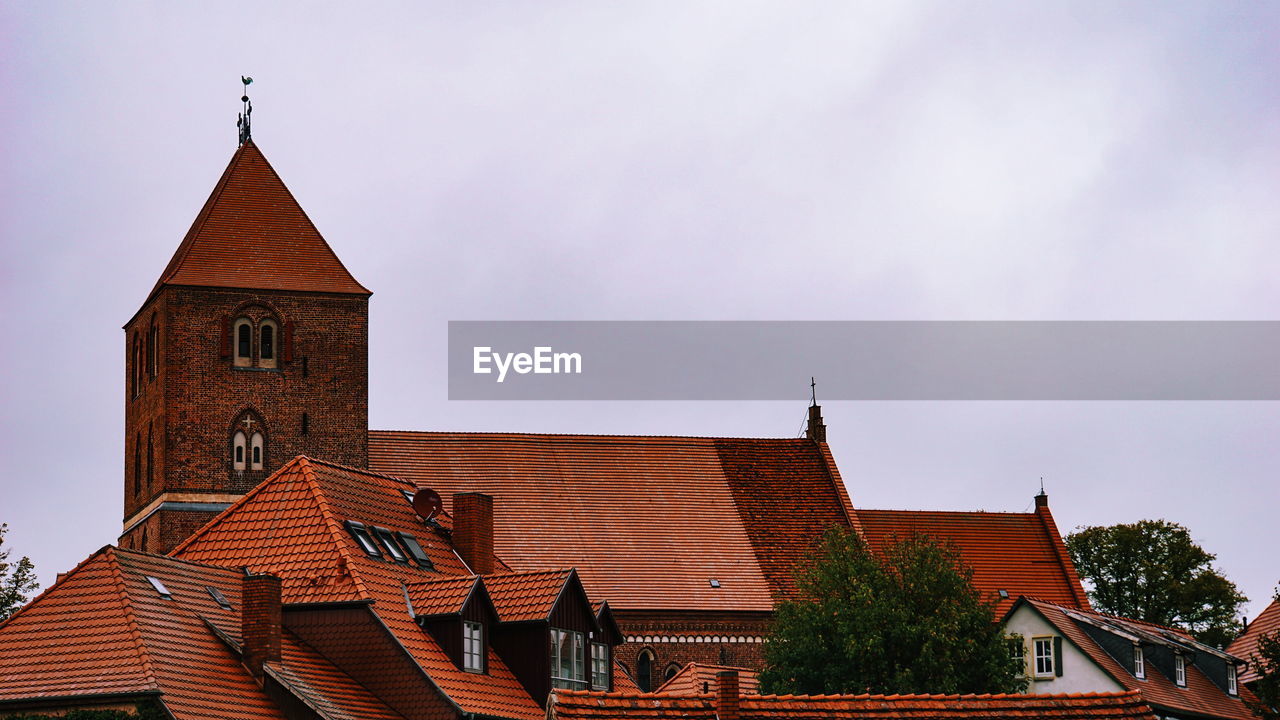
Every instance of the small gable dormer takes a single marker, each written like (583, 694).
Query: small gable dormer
(459, 614)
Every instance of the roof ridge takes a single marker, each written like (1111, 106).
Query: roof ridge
(949, 512)
(170, 558)
(521, 435)
(1060, 551)
(354, 469)
(331, 522)
(135, 631)
(271, 479)
(837, 482)
(64, 576)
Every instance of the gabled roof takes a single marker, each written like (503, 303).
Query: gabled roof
(292, 525)
(648, 522)
(445, 596)
(1246, 646)
(527, 596)
(105, 629)
(1200, 696)
(252, 233)
(697, 678)
(585, 705)
(1019, 553)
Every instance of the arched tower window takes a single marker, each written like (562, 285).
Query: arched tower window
(268, 337)
(644, 671)
(255, 446)
(243, 333)
(238, 449)
(672, 669)
(151, 467)
(137, 463)
(135, 368)
(153, 339)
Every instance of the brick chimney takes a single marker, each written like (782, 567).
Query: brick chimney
(260, 622)
(727, 695)
(1042, 500)
(473, 530)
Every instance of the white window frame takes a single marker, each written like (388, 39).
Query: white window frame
(239, 450)
(1233, 687)
(1139, 663)
(1044, 660)
(1179, 670)
(575, 664)
(472, 646)
(256, 451)
(263, 361)
(599, 666)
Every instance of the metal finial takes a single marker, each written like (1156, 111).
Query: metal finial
(813, 391)
(242, 122)
(1042, 485)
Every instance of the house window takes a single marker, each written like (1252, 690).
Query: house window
(1231, 679)
(1180, 671)
(255, 447)
(267, 334)
(599, 666)
(568, 659)
(1139, 663)
(389, 542)
(239, 444)
(1045, 665)
(363, 538)
(415, 550)
(472, 646)
(1017, 652)
(244, 342)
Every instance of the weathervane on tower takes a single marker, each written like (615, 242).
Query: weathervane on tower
(242, 122)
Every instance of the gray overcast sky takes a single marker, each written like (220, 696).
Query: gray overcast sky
(839, 161)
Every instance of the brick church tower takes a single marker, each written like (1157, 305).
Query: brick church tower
(251, 348)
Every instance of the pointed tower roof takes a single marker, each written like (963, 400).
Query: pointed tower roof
(251, 233)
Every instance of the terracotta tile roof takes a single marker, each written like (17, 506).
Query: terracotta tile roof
(648, 522)
(105, 629)
(445, 596)
(585, 705)
(1246, 645)
(251, 233)
(1200, 696)
(1020, 553)
(324, 687)
(694, 677)
(526, 596)
(292, 525)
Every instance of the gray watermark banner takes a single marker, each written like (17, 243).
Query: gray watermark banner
(864, 360)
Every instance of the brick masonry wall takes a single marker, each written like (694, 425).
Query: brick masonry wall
(676, 638)
(198, 393)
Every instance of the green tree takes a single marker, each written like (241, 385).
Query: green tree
(16, 580)
(904, 621)
(1266, 662)
(1152, 570)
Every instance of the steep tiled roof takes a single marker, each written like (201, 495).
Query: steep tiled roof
(1020, 553)
(526, 596)
(1246, 645)
(445, 596)
(584, 705)
(696, 679)
(105, 629)
(292, 525)
(251, 233)
(1200, 696)
(648, 522)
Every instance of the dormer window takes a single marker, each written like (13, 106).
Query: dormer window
(599, 666)
(1231, 680)
(472, 646)
(1139, 663)
(1179, 670)
(568, 659)
(1047, 656)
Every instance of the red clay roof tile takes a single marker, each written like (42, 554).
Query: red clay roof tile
(696, 679)
(648, 522)
(251, 233)
(1245, 646)
(584, 705)
(526, 596)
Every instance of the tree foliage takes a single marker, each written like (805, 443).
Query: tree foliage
(1152, 570)
(17, 580)
(1266, 662)
(905, 621)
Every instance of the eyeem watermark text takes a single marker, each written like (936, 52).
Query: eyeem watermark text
(541, 362)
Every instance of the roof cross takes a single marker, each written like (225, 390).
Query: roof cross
(242, 122)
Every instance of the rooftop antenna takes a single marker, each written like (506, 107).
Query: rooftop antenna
(242, 122)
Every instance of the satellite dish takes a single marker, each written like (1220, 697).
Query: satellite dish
(427, 503)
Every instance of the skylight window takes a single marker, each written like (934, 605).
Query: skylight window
(393, 547)
(218, 597)
(408, 495)
(416, 551)
(160, 588)
(363, 538)
(714, 583)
